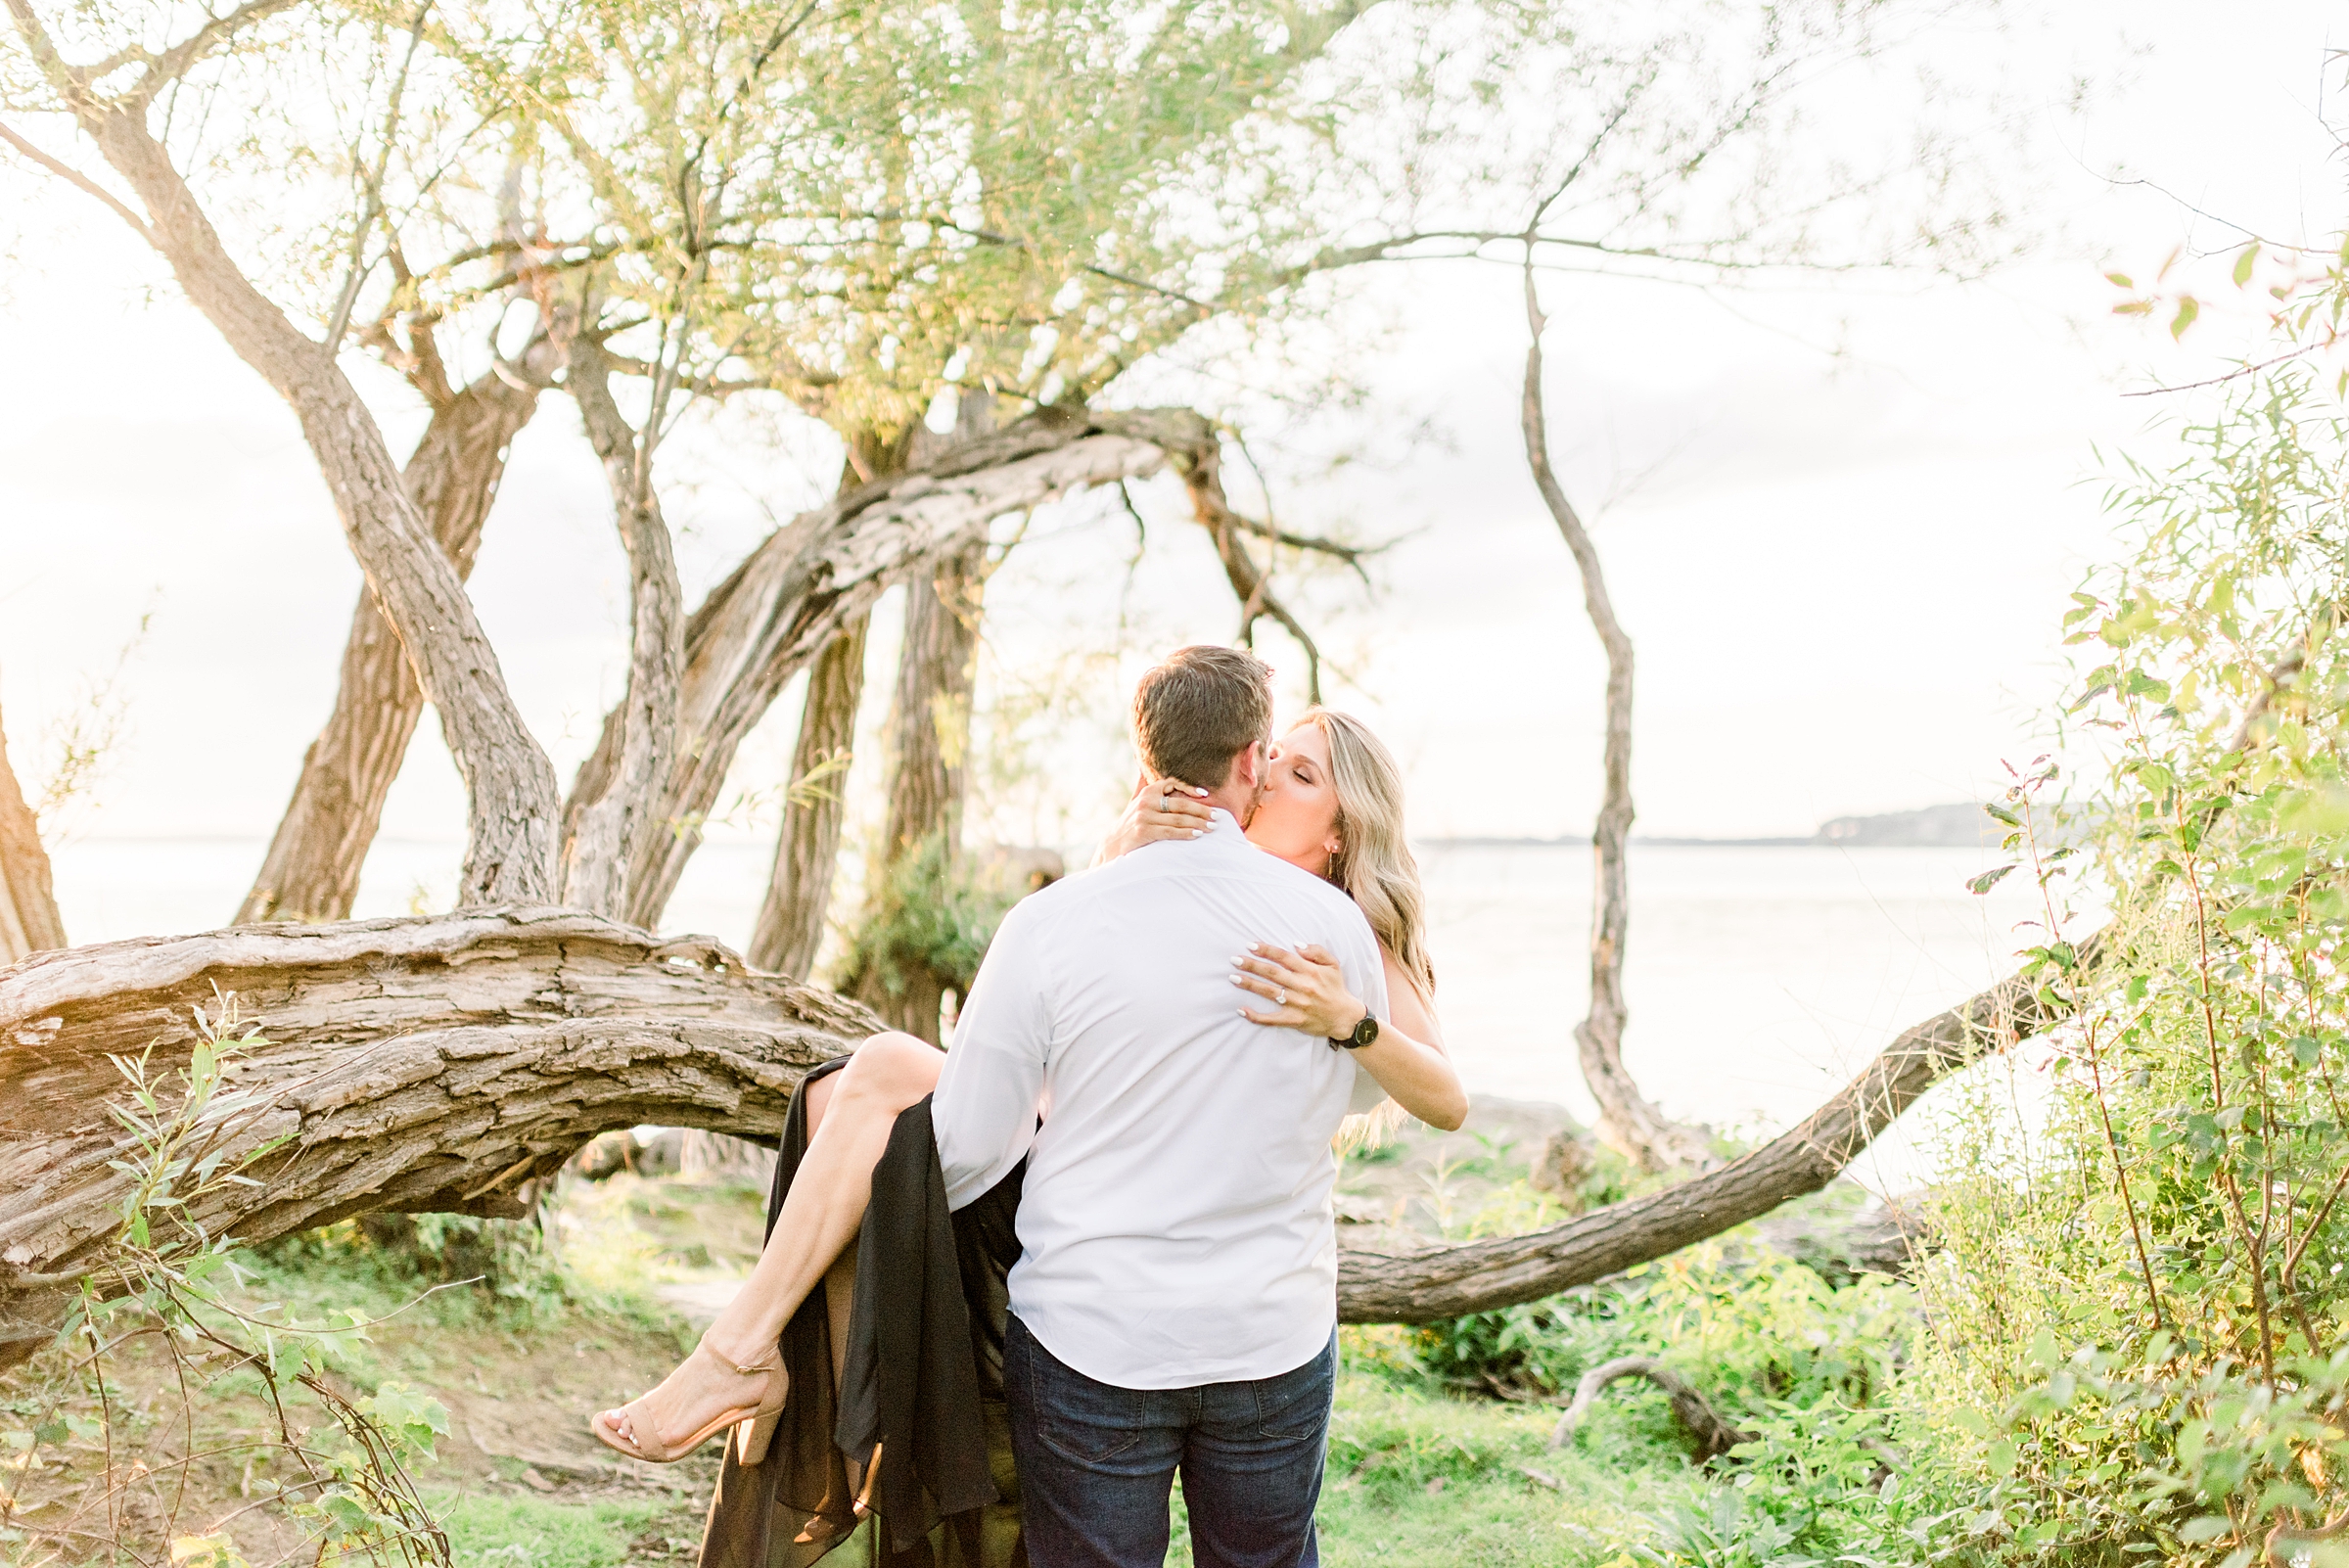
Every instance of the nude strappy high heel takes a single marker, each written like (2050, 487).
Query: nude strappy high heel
(756, 1420)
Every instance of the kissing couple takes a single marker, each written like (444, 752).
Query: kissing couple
(1010, 1290)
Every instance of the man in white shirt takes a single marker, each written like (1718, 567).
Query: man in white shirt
(1175, 1304)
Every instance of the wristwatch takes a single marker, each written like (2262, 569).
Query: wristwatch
(1364, 1034)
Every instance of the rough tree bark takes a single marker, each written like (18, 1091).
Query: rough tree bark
(1443, 1282)
(436, 1064)
(928, 732)
(604, 824)
(1626, 1121)
(799, 891)
(510, 848)
(312, 871)
(28, 917)
(812, 577)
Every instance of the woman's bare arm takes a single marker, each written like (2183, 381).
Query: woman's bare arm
(1309, 992)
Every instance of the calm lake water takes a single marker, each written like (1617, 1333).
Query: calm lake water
(1760, 978)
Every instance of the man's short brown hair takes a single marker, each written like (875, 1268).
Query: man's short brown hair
(1199, 710)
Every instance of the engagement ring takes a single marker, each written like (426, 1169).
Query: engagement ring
(1280, 996)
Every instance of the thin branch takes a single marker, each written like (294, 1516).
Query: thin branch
(2233, 375)
(2273, 681)
(80, 182)
(1353, 555)
(1250, 584)
(357, 274)
(1597, 141)
(180, 58)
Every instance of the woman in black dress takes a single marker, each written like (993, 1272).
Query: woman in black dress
(902, 1340)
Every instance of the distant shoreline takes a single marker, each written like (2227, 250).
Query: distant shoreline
(1642, 842)
(1960, 825)
(1935, 827)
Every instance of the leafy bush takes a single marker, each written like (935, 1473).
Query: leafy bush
(2137, 1348)
(1751, 1329)
(505, 1262)
(931, 916)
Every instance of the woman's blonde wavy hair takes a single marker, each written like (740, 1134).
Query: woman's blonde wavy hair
(1373, 863)
(1374, 867)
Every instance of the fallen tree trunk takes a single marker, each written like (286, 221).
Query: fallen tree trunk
(450, 1063)
(444, 1064)
(1424, 1287)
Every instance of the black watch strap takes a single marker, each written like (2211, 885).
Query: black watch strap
(1364, 1034)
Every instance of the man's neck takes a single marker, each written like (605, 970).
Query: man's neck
(1240, 803)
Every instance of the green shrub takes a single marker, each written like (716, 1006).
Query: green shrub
(496, 1266)
(932, 917)
(1750, 1328)
(2137, 1348)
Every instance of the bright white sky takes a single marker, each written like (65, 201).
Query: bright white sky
(1844, 581)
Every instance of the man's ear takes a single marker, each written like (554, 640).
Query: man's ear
(1248, 767)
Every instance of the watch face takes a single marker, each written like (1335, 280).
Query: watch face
(1366, 1031)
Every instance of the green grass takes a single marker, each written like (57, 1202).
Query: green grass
(490, 1532)
(1420, 1479)
(1423, 1469)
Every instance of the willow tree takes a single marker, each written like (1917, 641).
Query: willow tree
(840, 212)
(453, 1062)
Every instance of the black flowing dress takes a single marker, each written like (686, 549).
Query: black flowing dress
(920, 1405)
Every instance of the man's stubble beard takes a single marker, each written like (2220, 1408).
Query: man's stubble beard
(1256, 796)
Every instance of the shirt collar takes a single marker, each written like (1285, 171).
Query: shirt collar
(1221, 824)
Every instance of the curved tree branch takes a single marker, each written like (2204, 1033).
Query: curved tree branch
(1712, 1431)
(812, 577)
(1202, 471)
(450, 1063)
(1628, 1119)
(1424, 1287)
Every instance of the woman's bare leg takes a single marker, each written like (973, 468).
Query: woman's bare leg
(849, 1114)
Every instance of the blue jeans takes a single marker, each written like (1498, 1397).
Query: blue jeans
(1097, 1462)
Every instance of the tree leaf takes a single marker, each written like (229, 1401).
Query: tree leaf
(1989, 879)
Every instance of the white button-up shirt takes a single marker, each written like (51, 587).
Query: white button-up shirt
(1174, 1223)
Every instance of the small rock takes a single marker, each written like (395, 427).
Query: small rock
(534, 1481)
(1435, 1486)
(1564, 1164)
